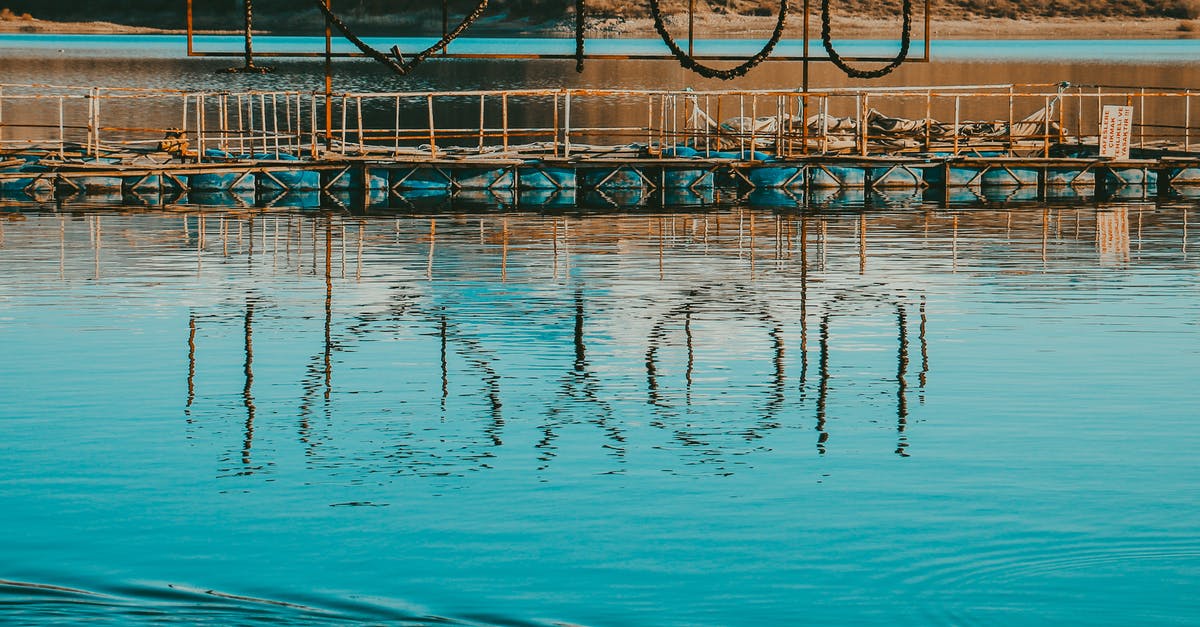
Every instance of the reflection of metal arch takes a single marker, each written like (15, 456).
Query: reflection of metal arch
(902, 363)
(775, 331)
(718, 302)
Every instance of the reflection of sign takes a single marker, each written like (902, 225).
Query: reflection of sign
(1116, 124)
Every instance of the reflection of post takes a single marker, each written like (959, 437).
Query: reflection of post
(823, 385)
(779, 379)
(359, 257)
(691, 352)
(862, 243)
(921, 379)
(247, 390)
(97, 246)
(751, 245)
(445, 369)
(191, 375)
(1045, 233)
(954, 246)
(803, 306)
(580, 348)
(660, 249)
(902, 382)
(554, 245)
(62, 248)
(432, 241)
(328, 304)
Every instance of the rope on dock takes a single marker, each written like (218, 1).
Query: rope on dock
(399, 65)
(689, 62)
(852, 72)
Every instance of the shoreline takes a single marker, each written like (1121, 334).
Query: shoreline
(844, 27)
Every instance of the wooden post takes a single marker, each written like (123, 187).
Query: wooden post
(504, 117)
(199, 128)
(692, 28)
(567, 124)
(1010, 120)
(345, 112)
(482, 120)
(1187, 120)
(1046, 128)
(62, 134)
(362, 142)
(956, 118)
(862, 114)
(432, 135)
(928, 119)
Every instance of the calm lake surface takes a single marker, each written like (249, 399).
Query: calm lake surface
(474, 415)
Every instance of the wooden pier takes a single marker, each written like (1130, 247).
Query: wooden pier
(567, 147)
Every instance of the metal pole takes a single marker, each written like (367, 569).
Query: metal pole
(805, 81)
(692, 28)
(328, 79)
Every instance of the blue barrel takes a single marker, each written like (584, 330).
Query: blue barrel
(776, 176)
(221, 182)
(483, 178)
(836, 176)
(897, 176)
(1005, 176)
(947, 175)
(352, 178)
(290, 180)
(532, 176)
(1184, 176)
(1129, 183)
(607, 178)
(92, 183)
(686, 178)
(142, 184)
(1079, 177)
(418, 178)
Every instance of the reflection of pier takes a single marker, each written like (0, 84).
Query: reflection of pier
(796, 299)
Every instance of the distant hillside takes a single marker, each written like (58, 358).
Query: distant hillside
(293, 14)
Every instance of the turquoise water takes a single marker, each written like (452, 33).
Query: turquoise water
(732, 417)
(172, 46)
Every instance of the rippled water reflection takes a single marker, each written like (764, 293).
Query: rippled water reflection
(917, 415)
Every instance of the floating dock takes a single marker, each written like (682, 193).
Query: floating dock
(561, 148)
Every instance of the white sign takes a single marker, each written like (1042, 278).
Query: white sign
(1116, 125)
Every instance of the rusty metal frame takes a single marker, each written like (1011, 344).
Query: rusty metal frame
(446, 54)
